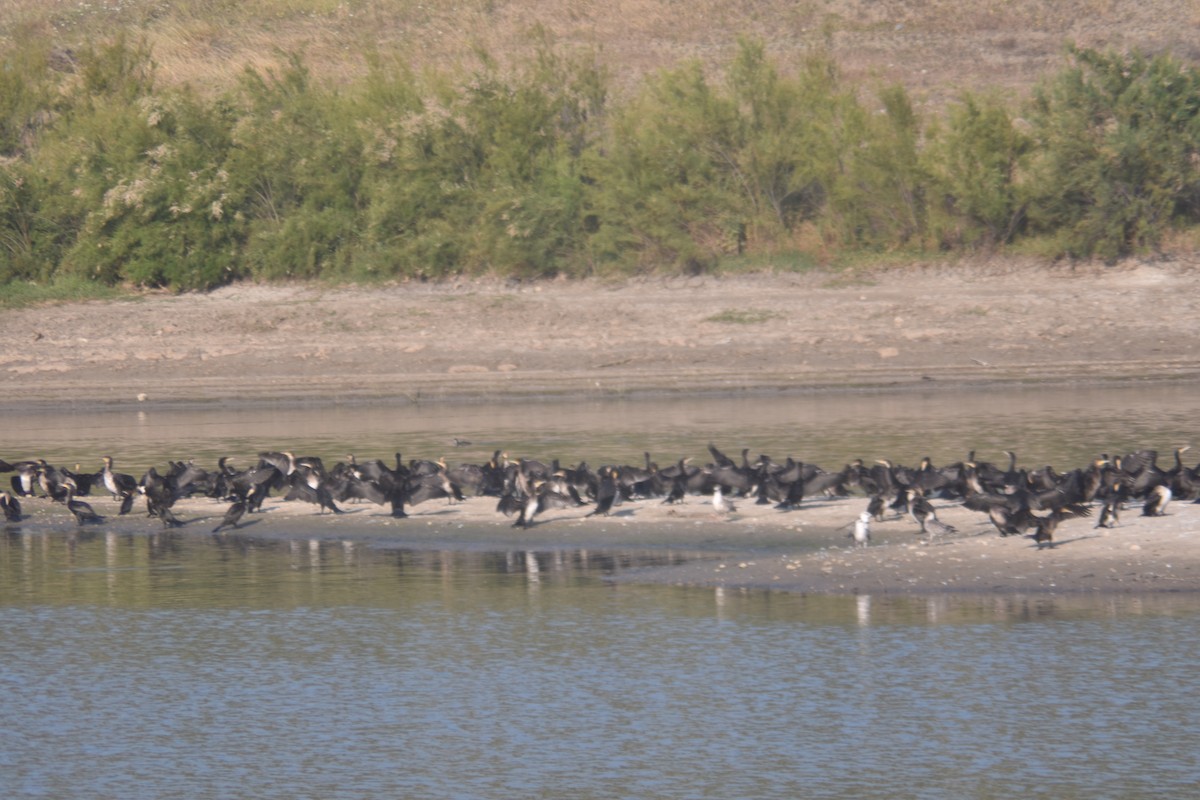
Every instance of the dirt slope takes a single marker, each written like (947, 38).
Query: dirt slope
(990, 322)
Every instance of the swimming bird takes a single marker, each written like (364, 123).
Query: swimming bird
(862, 529)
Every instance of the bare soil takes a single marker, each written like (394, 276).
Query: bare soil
(985, 323)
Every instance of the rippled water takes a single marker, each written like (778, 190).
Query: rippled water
(182, 665)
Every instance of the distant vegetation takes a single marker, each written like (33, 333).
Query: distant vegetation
(537, 169)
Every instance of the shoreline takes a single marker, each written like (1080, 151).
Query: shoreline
(970, 326)
(49, 401)
(804, 551)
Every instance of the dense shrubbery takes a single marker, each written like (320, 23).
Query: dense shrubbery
(535, 171)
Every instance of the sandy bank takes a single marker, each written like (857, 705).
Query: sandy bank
(805, 550)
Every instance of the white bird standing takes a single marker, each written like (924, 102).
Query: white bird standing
(721, 504)
(862, 529)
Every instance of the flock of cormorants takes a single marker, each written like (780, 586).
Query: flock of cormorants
(1018, 501)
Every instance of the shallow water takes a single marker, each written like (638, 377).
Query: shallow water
(184, 665)
(1063, 427)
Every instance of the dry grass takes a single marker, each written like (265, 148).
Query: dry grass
(936, 48)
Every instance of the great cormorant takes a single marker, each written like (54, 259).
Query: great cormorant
(84, 513)
(1156, 501)
(11, 507)
(118, 484)
(1112, 496)
(233, 515)
(1044, 527)
(26, 477)
(606, 493)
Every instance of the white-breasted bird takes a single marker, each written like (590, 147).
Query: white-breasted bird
(862, 529)
(722, 504)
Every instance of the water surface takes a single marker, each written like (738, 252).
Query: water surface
(190, 666)
(1063, 427)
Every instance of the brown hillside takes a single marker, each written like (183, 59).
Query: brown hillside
(934, 47)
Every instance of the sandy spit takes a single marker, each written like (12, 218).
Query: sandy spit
(806, 550)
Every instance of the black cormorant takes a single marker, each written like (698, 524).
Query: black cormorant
(934, 527)
(318, 495)
(11, 507)
(118, 484)
(1112, 496)
(919, 508)
(1044, 527)
(233, 515)
(606, 493)
(1156, 501)
(1185, 483)
(84, 513)
(160, 496)
(26, 477)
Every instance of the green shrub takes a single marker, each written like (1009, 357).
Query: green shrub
(975, 161)
(786, 153)
(531, 170)
(665, 191)
(295, 172)
(27, 96)
(164, 221)
(1118, 139)
(94, 139)
(879, 195)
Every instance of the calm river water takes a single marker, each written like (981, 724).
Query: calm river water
(189, 666)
